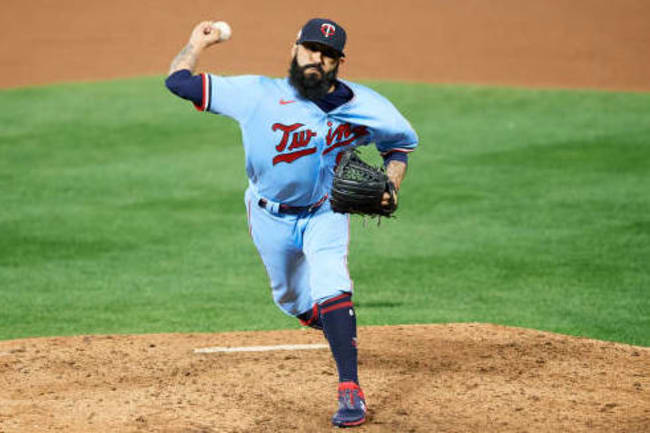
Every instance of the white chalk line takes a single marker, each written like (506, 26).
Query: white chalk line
(262, 348)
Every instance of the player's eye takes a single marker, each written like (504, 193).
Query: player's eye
(312, 47)
(328, 52)
(325, 51)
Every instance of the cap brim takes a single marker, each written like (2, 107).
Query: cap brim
(319, 41)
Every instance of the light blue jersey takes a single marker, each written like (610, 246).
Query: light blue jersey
(291, 148)
(290, 143)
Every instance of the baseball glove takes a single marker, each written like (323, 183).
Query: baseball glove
(358, 188)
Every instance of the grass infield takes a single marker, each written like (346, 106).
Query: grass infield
(122, 212)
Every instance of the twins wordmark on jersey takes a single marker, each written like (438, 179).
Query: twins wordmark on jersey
(296, 140)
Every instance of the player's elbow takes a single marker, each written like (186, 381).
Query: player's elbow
(175, 82)
(169, 83)
(185, 85)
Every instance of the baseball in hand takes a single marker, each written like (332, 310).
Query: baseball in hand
(224, 30)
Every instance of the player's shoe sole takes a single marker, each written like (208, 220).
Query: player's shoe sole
(350, 424)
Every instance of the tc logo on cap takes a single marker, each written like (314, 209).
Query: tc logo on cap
(327, 30)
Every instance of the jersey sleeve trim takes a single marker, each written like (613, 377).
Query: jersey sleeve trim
(207, 91)
(396, 149)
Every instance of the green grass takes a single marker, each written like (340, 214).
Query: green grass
(122, 212)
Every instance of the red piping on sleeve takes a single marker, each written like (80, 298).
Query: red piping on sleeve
(204, 103)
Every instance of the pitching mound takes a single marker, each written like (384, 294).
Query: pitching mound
(442, 378)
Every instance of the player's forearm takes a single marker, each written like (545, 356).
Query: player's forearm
(396, 170)
(205, 34)
(186, 59)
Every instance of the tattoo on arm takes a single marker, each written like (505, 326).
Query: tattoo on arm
(186, 59)
(396, 170)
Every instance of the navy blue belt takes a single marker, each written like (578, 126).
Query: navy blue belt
(295, 210)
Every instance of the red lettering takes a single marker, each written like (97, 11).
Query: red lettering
(292, 156)
(338, 159)
(299, 139)
(302, 139)
(340, 132)
(286, 130)
(344, 134)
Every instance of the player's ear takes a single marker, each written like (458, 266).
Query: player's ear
(294, 50)
(341, 60)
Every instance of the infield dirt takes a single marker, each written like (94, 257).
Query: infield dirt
(435, 378)
(429, 378)
(551, 43)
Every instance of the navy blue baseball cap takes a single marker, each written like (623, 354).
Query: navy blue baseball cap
(325, 32)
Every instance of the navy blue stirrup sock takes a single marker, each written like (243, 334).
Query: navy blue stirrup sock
(311, 318)
(340, 329)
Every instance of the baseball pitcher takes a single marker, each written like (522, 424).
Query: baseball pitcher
(294, 132)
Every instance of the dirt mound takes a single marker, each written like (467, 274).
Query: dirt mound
(443, 378)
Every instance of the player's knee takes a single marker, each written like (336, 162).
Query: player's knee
(337, 302)
(311, 318)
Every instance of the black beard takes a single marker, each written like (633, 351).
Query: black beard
(311, 86)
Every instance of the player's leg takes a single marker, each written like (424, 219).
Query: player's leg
(311, 317)
(326, 242)
(285, 263)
